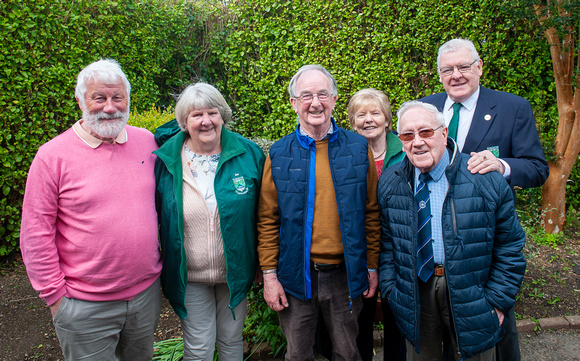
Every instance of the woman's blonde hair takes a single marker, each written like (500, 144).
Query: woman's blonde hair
(368, 96)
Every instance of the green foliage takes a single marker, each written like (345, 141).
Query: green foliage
(152, 118)
(562, 15)
(262, 323)
(168, 350)
(45, 43)
(573, 218)
(531, 223)
(573, 189)
(388, 45)
(249, 50)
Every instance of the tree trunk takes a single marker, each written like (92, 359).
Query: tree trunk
(567, 143)
(554, 200)
(554, 190)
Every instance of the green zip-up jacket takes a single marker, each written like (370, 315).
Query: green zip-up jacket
(394, 152)
(237, 184)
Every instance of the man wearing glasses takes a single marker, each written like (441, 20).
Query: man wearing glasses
(318, 222)
(451, 247)
(496, 129)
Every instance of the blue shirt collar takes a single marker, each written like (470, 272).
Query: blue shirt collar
(439, 170)
(328, 134)
(307, 142)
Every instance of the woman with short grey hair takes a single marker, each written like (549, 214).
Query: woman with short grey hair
(208, 181)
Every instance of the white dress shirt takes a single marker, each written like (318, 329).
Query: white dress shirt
(466, 113)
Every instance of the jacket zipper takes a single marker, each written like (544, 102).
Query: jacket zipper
(455, 224)
(454, 219)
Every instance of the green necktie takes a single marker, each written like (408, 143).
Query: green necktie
(454, 123)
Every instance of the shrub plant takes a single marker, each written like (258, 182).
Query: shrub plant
(249, 49)
(45, 43)
(389, 45)
(152, 118)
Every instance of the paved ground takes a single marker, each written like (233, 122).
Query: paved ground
(551, 346)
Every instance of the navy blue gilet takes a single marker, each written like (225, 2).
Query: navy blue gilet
(293, 159)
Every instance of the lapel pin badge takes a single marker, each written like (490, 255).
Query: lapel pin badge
(487, 117)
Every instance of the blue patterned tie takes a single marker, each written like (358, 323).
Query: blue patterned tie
(454, 123)
(425, 263)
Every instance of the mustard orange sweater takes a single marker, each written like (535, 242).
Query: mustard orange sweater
(326, 239)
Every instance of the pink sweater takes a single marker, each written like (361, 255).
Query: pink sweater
(89, 225)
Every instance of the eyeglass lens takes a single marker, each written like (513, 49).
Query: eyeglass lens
(423, 133)
(463, 68)
(308, 97)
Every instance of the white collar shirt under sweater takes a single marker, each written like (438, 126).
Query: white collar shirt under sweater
(89, 225)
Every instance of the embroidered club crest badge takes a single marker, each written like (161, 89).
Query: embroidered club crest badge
(494, 150)
(240, 185)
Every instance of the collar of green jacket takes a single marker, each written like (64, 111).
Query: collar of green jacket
(394, 152)
(170, 139)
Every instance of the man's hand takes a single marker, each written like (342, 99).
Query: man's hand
(54, 307)
(500, 316)
(484, 162)
(274, 294)
(373, 284)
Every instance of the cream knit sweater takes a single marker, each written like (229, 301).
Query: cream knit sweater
(202, 236)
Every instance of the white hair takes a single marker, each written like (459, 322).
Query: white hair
(200, 96)
(304, 69)
(417, 104)
(106, 70)
(454, 45)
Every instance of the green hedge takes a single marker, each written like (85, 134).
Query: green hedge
(44, 46)
(389, 45)
(249, 51)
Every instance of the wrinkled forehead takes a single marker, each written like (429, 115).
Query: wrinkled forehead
(417, 118)
(312, 81)
(456, 57)
(112, 83)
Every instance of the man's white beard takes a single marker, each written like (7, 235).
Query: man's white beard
(104, 128)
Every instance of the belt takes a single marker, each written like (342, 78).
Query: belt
(439, 270)
(323, 267)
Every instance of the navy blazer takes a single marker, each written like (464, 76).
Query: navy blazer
(504, 123)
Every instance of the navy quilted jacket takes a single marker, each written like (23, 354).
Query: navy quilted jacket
(483, 240)
(293, 163)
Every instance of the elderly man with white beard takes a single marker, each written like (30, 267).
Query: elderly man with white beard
(89, 226)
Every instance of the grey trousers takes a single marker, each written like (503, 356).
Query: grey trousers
(210, 321)
(110, 330)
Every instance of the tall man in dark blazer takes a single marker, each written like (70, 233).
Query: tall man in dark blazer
(497, 129)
